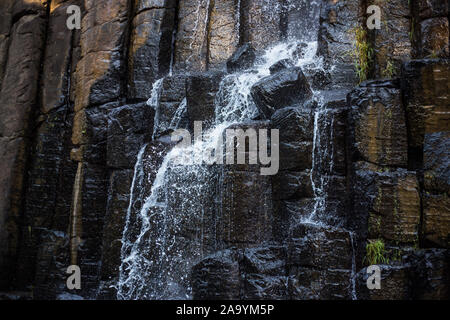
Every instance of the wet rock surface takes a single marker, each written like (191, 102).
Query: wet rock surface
(129, 127)
(150, 50)
(201, 90)
(392, 43)
(76, 180)
(282, 89)
(242, 59)
(338, 18)
(377, 121)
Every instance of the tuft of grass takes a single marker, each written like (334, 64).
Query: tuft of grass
(434, 54)
(389, 70)
(375, 252)
(362, 53)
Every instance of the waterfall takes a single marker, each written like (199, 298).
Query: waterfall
(172, 226)
(320, 173)
(155, 264)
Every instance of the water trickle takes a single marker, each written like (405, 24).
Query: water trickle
(353, 274)
(153, 102)
(172, 52)
(199, 34)
(179, 115)
(238, 20)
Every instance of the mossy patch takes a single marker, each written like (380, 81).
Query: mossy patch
(362, 53)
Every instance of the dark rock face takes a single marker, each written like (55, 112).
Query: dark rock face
(430, 28)
(423, 275)
(436, 184)
(119, 191)
(372, 168)
(280, 65)
(436, 158)
(150, 49)
(57, 60)
(338, 18)
(300, 19)
(430, 274)
(171, 95)
(377, 121)
(393, 41)
(434, 37)
(265, 273)
(295, 153)
(98, 73)
(128, 127)
(436, 222)
(324, 248)
(249, 221)
(17, 105)
(390, 202)
(426, 112)
(430, 9)
(224, 32)
(201, 90)
(260, 23)
(285, 88)
(242, 59)
(90, 133)
(217, 276)
(51, 264)
(319, 269)
(51, 173)
(425, 83)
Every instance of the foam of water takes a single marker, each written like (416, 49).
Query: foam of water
(233, 101)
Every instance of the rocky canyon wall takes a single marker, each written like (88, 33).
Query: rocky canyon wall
(73, 118)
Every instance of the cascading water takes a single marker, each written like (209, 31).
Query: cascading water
(153, 102)
(179, 115)
(163, 272)
(322, 161)
(171, 227)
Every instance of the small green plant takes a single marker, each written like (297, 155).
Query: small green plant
(389, 70)
(434, 54)
(375, 252)
(362, 53)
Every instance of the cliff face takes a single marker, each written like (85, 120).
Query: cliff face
(73, 118)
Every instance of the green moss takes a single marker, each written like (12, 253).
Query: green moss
(375, 252)
(362, 53)
(389, 70)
